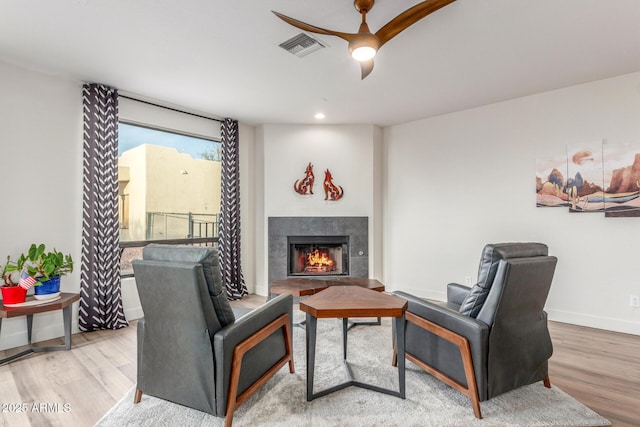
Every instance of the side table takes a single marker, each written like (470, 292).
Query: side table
(63, 303)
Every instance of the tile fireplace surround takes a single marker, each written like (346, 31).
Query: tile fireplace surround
(357, 228)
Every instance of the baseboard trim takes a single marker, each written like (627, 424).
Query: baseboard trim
(597, 322)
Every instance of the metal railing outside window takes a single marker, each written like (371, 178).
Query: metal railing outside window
(171, 228)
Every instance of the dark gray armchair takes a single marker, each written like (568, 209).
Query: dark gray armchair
(490, 338)
(192, 350)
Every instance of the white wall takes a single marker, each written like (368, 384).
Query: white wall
(41, 180)
(350, 152)
(459, 181)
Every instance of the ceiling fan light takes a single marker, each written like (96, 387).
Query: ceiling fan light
(363, 53)
(364, 45)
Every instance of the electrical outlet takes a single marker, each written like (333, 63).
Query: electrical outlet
(467, 280)
(634, 300)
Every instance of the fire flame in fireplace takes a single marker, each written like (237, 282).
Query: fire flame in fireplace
(319, 259)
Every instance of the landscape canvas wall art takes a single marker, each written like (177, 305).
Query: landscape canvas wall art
(621, 168)
(592, 177)
(584, 177)
(551, 182)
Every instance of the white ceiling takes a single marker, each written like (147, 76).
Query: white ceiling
(222, 57)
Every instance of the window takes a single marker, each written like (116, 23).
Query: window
(169, 186)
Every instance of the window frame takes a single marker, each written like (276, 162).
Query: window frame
(146, 115)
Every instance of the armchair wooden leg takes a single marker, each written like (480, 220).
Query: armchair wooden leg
(394, 359)
(233, 400)
(288, 342)
(547, 382)
(138, 396)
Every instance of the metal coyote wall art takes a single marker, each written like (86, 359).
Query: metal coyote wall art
(304, 186)
(331, 191)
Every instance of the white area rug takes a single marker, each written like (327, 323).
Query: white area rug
(282, 402)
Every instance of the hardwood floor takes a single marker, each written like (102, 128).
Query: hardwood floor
(76, 388)
(599, 368)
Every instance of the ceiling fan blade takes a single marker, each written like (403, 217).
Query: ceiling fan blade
(408, 18)
(366, 67)
(312, 28)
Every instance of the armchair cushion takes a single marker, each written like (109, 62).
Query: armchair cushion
(474, 300)
(208, 257)
(491, 255)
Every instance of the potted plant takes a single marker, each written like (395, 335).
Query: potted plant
(37, 267)
(11, 271)
(47, 268)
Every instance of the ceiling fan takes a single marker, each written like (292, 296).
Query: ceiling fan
(363, 45)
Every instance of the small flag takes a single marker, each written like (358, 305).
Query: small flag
(26, 281)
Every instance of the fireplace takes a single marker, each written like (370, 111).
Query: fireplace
(352, 231)
(318, 255)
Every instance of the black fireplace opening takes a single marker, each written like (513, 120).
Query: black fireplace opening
(318, 255)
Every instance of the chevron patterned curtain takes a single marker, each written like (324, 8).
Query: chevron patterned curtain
(100, 292)
(229, 231)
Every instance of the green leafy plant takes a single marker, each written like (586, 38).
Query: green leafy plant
(44, 265)
(39, 263)
(11, 270)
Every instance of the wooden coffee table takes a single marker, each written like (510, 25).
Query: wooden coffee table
(300, 286)
(343, 302)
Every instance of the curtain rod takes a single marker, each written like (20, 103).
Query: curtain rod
(169, 108)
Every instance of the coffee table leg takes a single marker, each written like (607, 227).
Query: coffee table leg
(345, 328)
(312, 324)
(400, 344)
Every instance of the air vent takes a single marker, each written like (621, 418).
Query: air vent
(302, 45)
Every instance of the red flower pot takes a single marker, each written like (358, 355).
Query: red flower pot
(13, 294)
